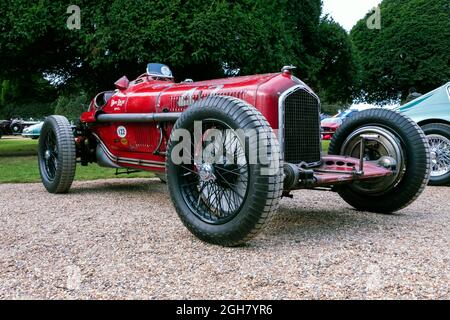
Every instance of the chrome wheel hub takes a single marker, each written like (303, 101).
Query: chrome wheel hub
(433, 157)
(206, 172)
(47, 154)
(384, 149)
(439, 154)
(387, 162)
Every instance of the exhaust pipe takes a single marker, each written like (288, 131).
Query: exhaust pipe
(103, 160)
(139, 117)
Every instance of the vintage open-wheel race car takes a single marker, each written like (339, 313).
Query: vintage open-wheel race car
(231, 148)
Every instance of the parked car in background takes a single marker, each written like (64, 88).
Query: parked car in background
(33, 131)
(14, 126)
(432, 112)
(330, 125)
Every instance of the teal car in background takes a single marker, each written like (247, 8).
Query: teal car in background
(33, 131)
(432, 112)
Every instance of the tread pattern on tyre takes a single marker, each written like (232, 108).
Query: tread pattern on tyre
(267, 189)
(65, 172)
(417, 153)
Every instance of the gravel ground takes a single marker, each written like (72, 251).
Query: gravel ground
(122, 239)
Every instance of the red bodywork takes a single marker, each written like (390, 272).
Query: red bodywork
(146, 95)
(135, 146)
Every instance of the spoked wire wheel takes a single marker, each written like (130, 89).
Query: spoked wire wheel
(222, 193)
(215, 183)
(438, 135)
(440, 155)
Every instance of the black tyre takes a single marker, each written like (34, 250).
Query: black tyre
(397, 137)
(438, 136)
(16, 127)
(57, 154)
(228, 201)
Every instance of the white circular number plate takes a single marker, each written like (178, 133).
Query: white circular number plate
(122, 131)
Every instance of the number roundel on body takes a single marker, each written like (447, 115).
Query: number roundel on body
(122, 131)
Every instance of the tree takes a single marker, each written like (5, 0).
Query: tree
(198, 39)
(410, 50)
(339, 72)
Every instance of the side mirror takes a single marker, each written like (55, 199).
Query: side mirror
(122, 83)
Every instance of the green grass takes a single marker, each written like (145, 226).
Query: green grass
(18, 164)
(18, 147)
(25, 169)
(325, 145)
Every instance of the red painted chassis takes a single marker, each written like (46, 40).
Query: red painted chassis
(147, 107)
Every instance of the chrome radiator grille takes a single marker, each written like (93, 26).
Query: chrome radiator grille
(301, 135)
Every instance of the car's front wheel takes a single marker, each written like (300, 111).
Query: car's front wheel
(57, 154)
(224, 184)
(396, 141)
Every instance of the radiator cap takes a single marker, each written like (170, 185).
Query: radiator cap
(288, 69)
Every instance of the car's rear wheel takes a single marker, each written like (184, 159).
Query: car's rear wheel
(224, 200)
(438, 136)
(57, 154)
(404, 147)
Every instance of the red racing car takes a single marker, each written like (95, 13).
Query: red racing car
(231, 148)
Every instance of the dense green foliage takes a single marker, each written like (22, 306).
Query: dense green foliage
(72, 105)
(32, 98)
(41, 59)
(336, 86)
(198, 39)
(410, 50)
